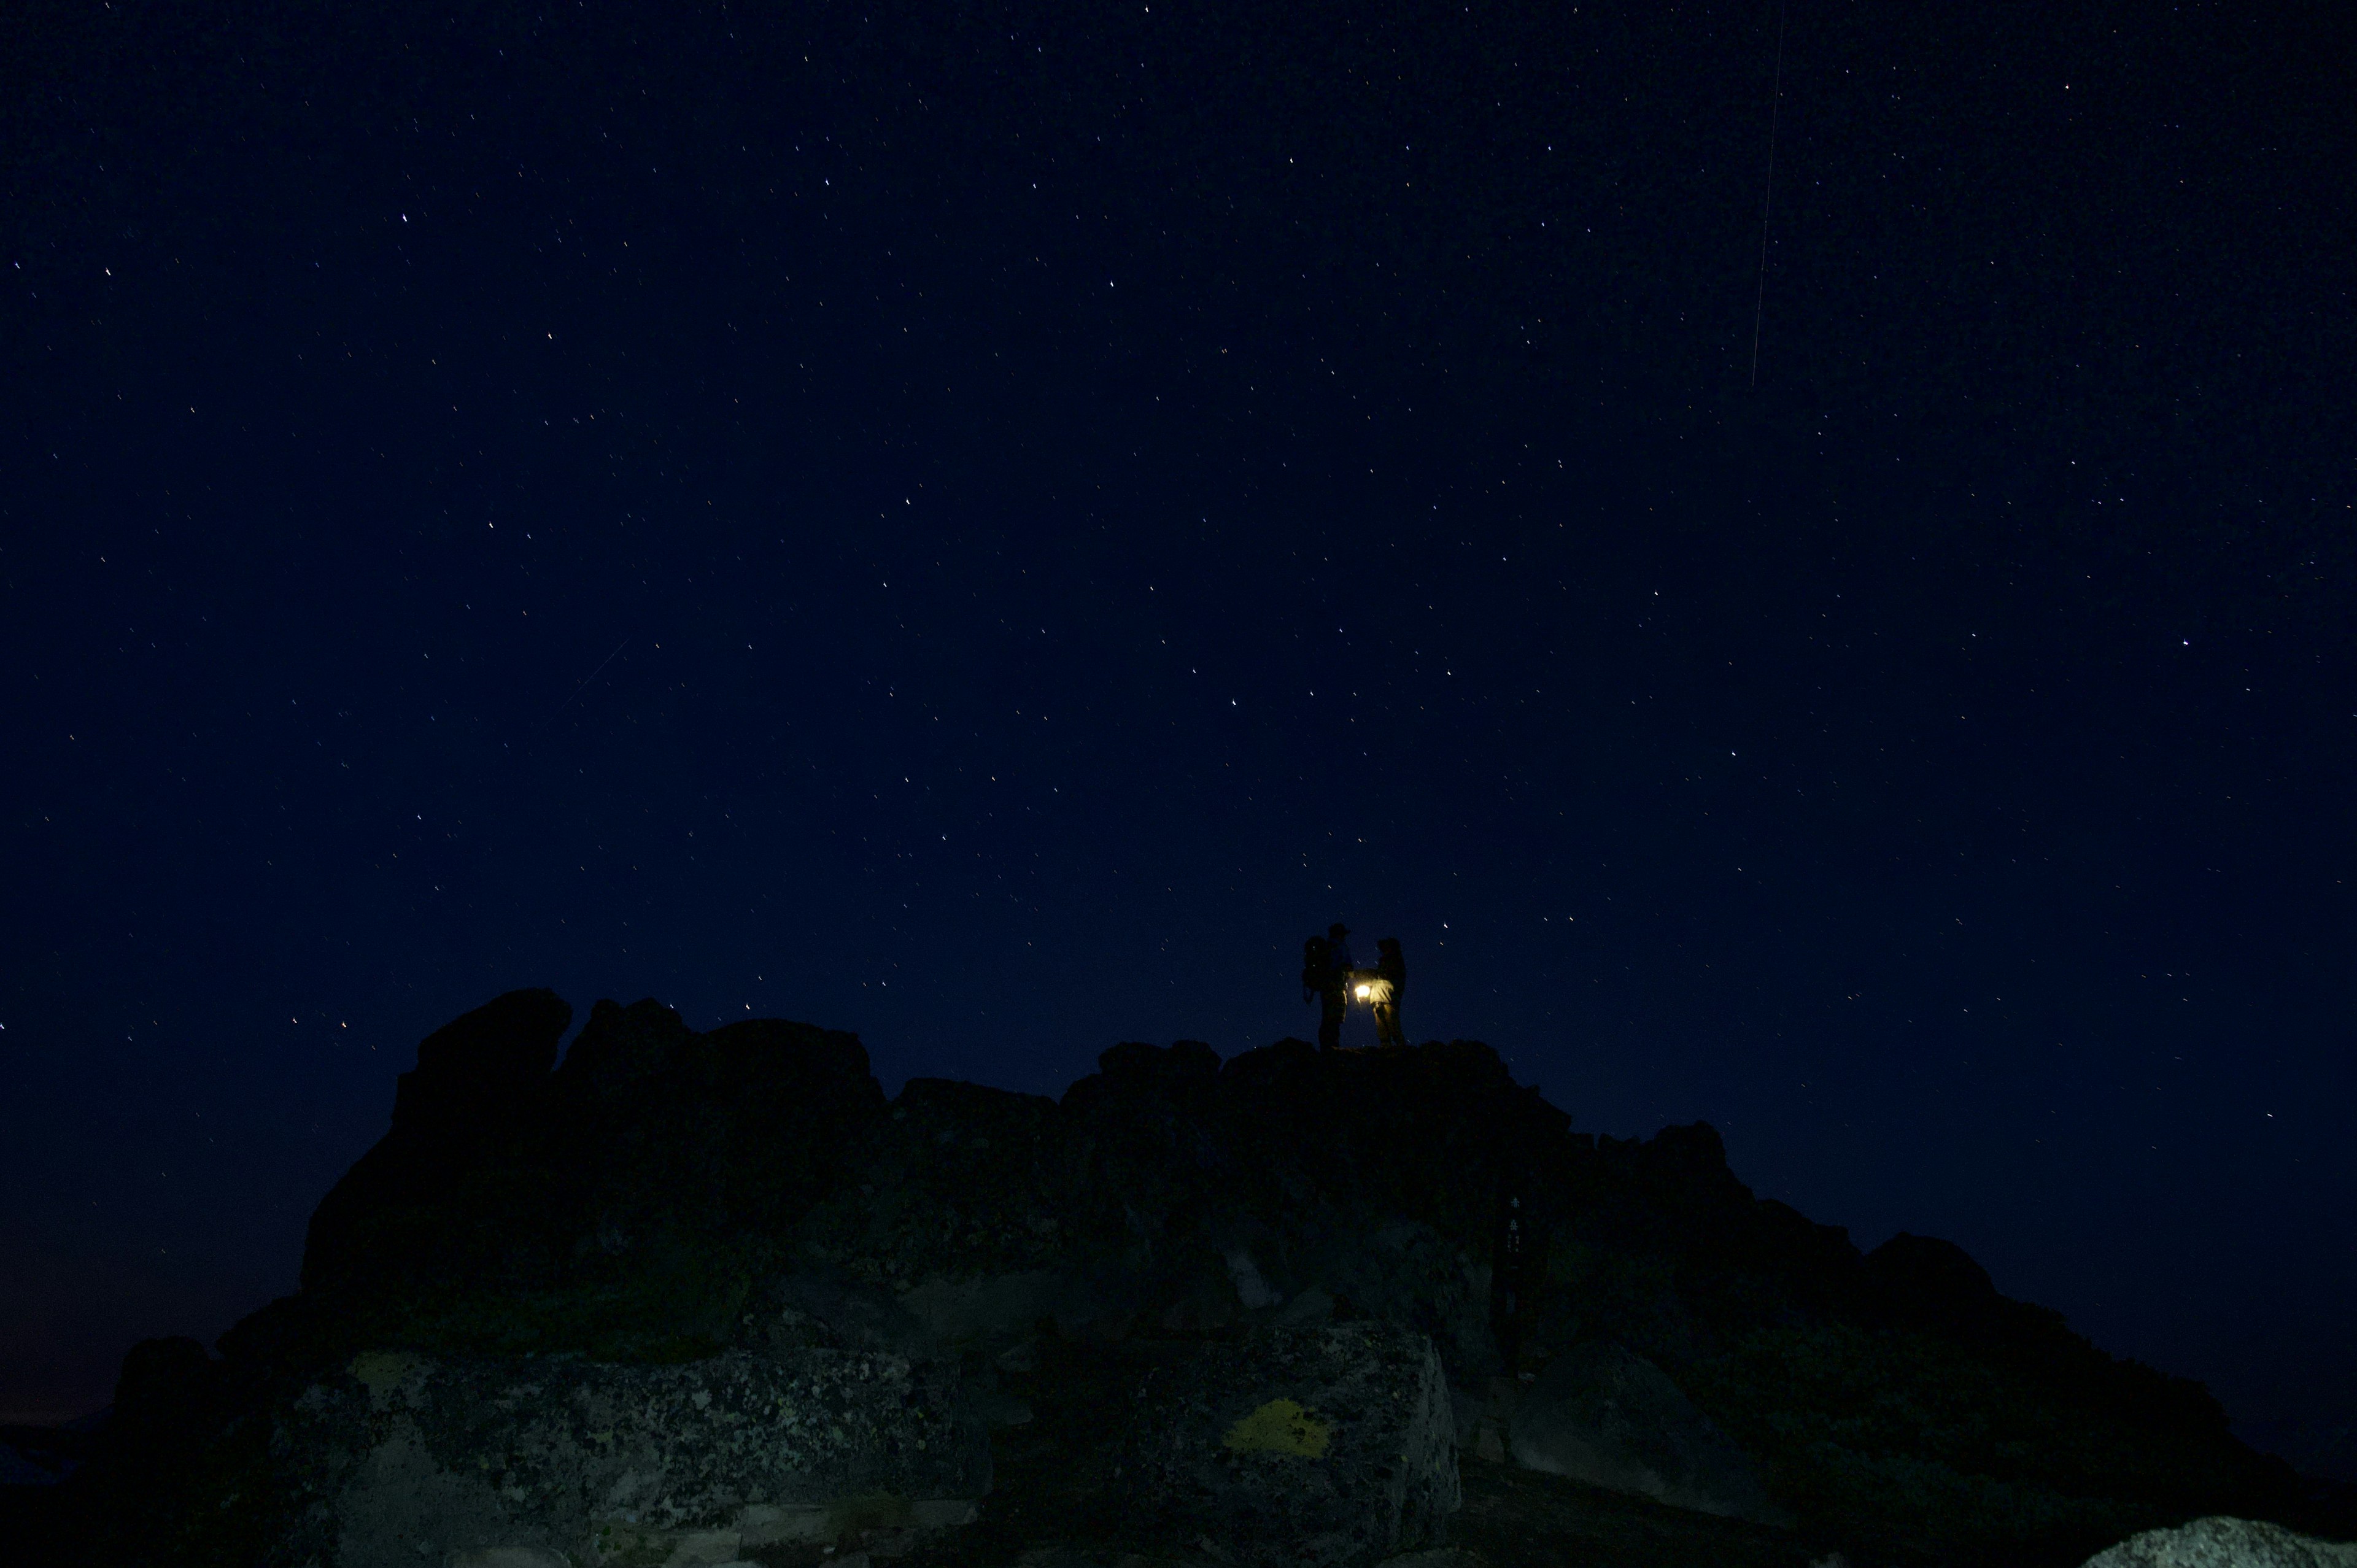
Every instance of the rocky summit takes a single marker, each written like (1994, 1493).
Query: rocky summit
(706, 1298)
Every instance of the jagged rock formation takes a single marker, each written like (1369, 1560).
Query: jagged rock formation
(622, 1205)
(667, 1199)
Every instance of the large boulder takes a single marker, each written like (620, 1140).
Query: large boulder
(619, 1205)
(1604, 1415)
(476, 1100)
(1321, 1446)
(2222, 1542)
(405, 1458)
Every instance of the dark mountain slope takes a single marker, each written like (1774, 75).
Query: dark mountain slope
(661, 1192)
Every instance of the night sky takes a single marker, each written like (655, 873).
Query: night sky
(985, 524)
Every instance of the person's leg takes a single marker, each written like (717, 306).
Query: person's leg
(1387, 1029)
(1330, 1022)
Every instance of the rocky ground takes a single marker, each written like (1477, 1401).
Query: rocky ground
(1058, 1504)
(705, 1298)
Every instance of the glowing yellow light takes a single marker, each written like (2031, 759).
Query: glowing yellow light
(1365, 992)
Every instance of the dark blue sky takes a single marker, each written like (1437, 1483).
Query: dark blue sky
(985, 527)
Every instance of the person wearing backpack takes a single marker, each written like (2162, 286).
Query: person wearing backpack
(1316, 960)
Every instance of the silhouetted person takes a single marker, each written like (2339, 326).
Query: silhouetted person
(1391, 978)
(1334, 993)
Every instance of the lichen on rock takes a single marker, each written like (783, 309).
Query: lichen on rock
(1328, 1445)
(433, 1456)
(1280, 1426)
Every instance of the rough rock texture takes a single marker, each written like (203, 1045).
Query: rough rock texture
(1603, 1415)
(2222, 1542)
(408, 1458)
(1328, 1445)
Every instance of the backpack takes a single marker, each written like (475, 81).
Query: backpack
(1316, 963)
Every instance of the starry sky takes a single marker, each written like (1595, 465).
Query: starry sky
(985, 525)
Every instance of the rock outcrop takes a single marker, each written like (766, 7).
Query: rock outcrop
(476, 1104)
(997, 1275)
(621, 1205)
